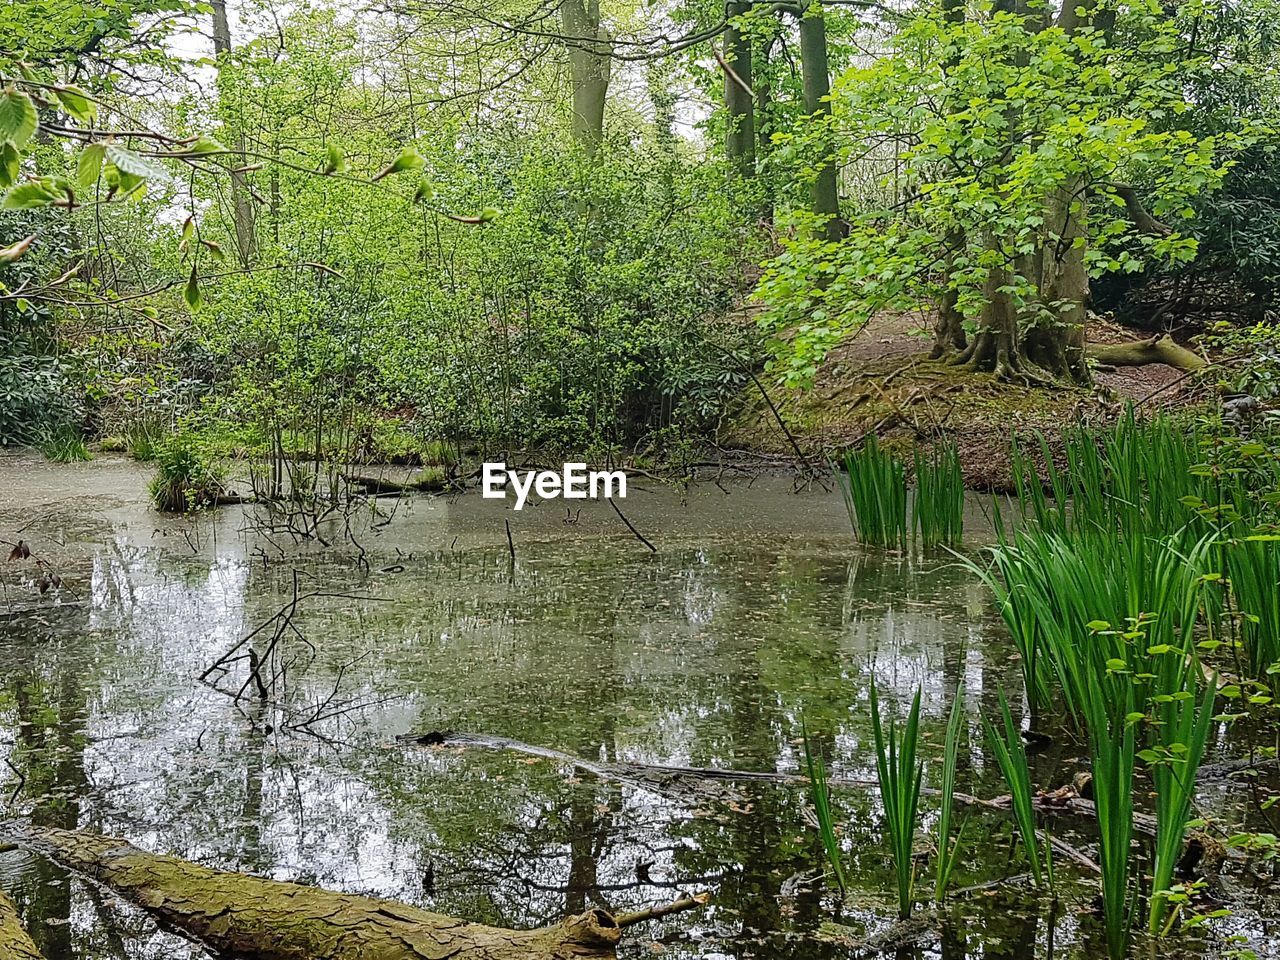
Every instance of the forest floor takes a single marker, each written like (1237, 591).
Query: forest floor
(882, 381)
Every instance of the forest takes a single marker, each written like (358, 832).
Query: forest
(910, 371)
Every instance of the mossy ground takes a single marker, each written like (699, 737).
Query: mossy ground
(887, 385)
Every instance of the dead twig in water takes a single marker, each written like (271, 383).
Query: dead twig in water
(639, 536)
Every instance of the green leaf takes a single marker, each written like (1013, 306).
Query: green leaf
(424, 192)
(334, 162)
(89, 166)
(214, 249)
(29, 196)
(18, 118)
(191, 293)
(205, 145)
(409, 159)
(77, 104)
(8, 164)
(128, 162)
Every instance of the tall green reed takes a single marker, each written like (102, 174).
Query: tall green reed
(1253, 570)
(874, 486)
(1011, 756)
(938, 505)
(899, 772)
(948, 850)
(1183, 722)
(820, 794)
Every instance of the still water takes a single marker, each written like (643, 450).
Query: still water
(756, 611)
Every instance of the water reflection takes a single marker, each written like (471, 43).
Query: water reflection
(708, 654)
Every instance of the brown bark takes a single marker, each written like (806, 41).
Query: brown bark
(1137, 353)
(14, 942)
(255, 919)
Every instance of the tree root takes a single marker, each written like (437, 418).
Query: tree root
(14, 942)
(256, 919)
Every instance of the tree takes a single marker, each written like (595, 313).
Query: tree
(1028, 152)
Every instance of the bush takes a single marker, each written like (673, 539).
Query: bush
(185, 477)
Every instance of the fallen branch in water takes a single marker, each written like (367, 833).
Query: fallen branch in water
(695, 784)
(15, 944)
(255, 919)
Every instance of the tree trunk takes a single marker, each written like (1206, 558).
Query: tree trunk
(14, 942)
(994, 346)
(255, 919)
(948, 331)
(241, 201)
(1063, 282)
(739, 98)
(591, 66)
(816, 74)
(1137, 353)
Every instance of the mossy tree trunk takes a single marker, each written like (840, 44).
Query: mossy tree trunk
(255, 919)
(816, 75)
(739, 96)
(14, 942)
(591, 65)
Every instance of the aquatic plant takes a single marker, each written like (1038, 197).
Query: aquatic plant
(63, 444)
(948, 850)
(1182, 723)
(185, 477)
(143, 438)
(1011, 756)
(938, 505)
(1109, 707)
(1252, 566)
(874, 486)
(899, 773)
(820, 794)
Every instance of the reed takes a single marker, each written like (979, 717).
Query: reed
(1109, 707)
(938, 505)
(1253, 569)
(874, 486)
(1011, 756)
(820, 794)
(1182, 722)
(948, 850)
(899, 773)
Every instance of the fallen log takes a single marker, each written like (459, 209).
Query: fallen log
(14, 942)
(1137, 353)
(430, 480)
(255, 919)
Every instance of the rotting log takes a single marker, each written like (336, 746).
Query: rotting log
(255, 919)
(14, 942)
(426, 481)
(1137, 353)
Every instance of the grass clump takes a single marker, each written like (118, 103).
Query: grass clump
(899, 772)
(938, 506)
(1011, 755)
(186, 479)
(64, 444)
(874, 485)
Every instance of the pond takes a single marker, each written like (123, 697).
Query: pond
(756, 611)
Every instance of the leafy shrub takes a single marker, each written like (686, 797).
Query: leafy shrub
(185, 477)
